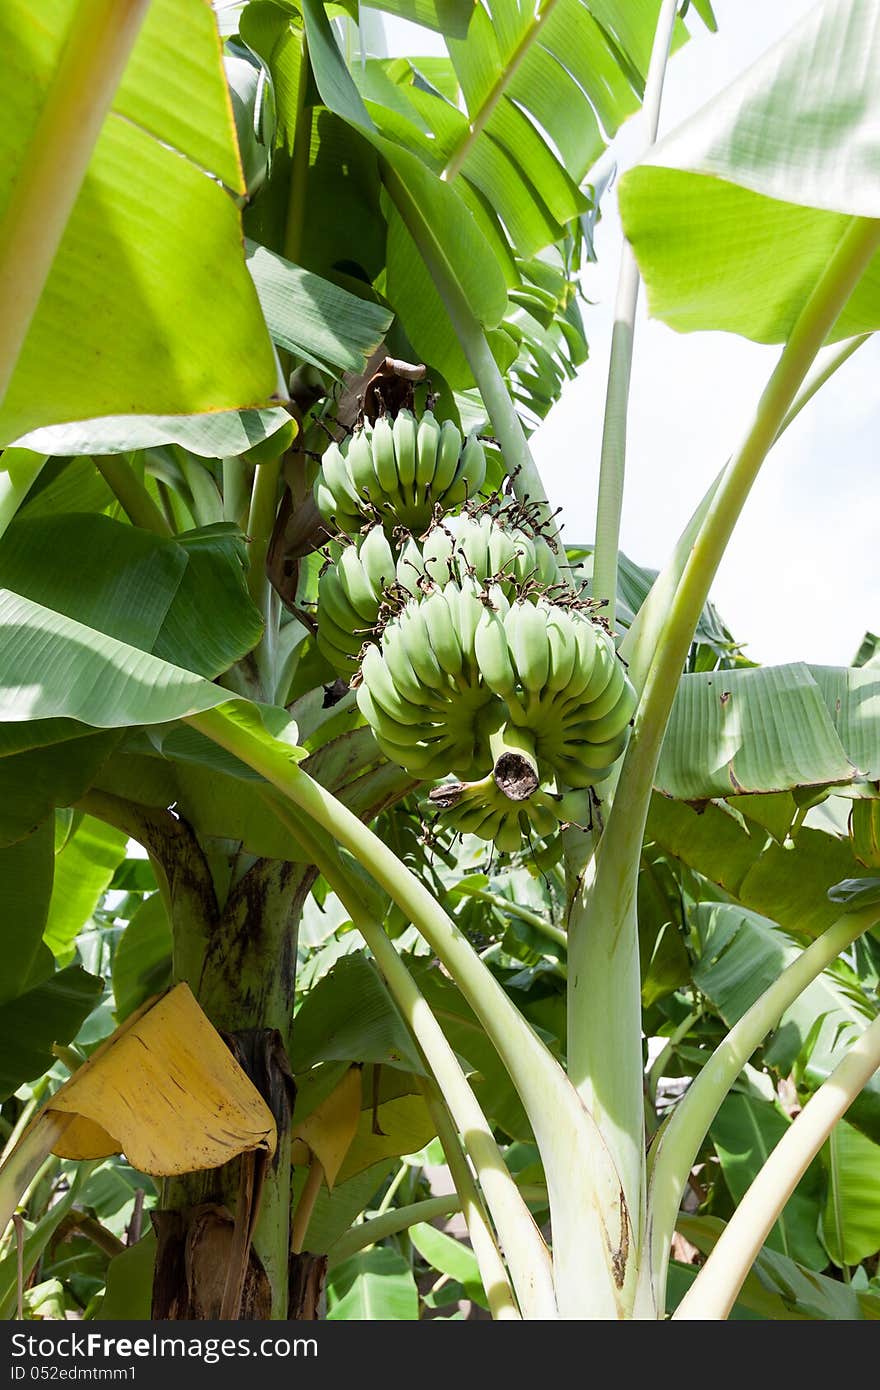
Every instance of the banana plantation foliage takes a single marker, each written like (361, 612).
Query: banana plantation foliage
(406, 912)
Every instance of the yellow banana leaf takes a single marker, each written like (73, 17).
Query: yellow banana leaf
(328, 1131)
(163, 1089)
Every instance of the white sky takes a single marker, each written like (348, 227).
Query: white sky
(800, 580)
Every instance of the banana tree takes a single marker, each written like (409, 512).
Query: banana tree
(347, 586)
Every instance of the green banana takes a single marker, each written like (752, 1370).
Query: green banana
(335, 604)
(492, 654)
(605, 664)
(384, 692)
(614, 721)
(417, 647)
(448, 454)
(595, 709)
(355, 585)
(508, 836)
(385, 460)
(437, 552)
(442, 633)
(331, 511)
(427, 444)
(405, 450)
(410, 567)
(341, 661)
(361, 468)
(501, 550)
(562, 642)
(377, 559)
(334, 473)
(470, 474)
(526, 629)
(539, 816)
(388, 728)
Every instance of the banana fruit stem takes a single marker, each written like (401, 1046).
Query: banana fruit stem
(516, 766)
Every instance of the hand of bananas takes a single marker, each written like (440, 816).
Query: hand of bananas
(471, 658)
(398, 474)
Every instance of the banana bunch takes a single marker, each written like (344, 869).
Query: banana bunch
(481, 809)
(350, 593)
(421, 691)
(561, 679)
(484, 546)
(398, 473)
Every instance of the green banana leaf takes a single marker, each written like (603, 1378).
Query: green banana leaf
(770, 729)
(26, 870)
(373, 1285)
(742, 953)
(151, 259)
(142, 959)
(851, 1217)
(574, 72)
(51, 1012)
(745, 1131)
(129, 1290)
(450, 1257)
(334, 1212)
(350, 1016)
(779, 1288)
(84, 868)
(734, 216)
(226, 433)
(786, 880)
(313, 318)
(185, 600)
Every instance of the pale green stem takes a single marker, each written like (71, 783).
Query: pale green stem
(604, 1003)
(506, 74)
(131, 494)
(207, 503)
(377, 1228)
(834, 1183)
(261, 519)
(822, 372)
(19, 470)
(71, 1057)
(25, 1160)
(28, 1111)
(518, 460)
(297, 206)
(306, 1205)
(393, 1187)
(714, 1291)
(680, 1139)
(524, 1246)
(667, 1052)
(49, 176)
(612, 468)
(235, 496)
(592, 1232)
(502, 1303)
(524, 914)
